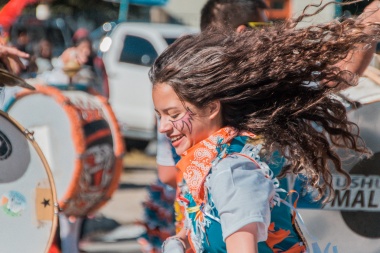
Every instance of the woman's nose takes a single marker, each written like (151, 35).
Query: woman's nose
(164, 125)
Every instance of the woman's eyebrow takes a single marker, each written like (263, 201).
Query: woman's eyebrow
(169, 108)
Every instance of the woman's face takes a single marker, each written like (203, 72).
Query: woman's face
(184, 124)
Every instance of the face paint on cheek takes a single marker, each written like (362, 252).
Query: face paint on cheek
(184, 122)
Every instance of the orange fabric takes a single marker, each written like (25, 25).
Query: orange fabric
(54, 249)
(195, 163)
(294, 205)
(296, 248)
(276, 237)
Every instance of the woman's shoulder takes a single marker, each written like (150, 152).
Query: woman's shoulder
(235, 161)
(246, 157)
(240, 169)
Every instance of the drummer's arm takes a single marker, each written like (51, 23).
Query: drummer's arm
(357, 61)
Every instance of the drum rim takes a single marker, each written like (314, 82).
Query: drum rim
(29, 136)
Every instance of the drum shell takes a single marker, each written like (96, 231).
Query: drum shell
(82, 142)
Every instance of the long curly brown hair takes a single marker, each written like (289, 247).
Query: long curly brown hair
(279, 83)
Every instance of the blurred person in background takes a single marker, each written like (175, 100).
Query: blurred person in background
(81, 52)
(92, 70)
(22, 44)
(77, 67)
(43, 56)
(22, 40)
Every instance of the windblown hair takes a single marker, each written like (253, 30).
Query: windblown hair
(229, 14)
(273, 83)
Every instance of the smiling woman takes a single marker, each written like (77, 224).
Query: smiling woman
(183, 123)
(238, 106)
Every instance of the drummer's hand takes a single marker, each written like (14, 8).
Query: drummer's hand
(358, 60)
(371, 13)
(10, 57)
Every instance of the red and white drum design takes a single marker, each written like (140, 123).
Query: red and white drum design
(79, 135)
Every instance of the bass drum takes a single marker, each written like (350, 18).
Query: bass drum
(80, 138)
(28, 202)
(350, 223)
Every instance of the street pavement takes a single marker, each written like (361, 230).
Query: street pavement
(125, 207)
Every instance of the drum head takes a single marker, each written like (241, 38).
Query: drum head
(14, 152)
(27, 196)
(52, 130)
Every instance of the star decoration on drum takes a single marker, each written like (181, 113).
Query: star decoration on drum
(46, 202)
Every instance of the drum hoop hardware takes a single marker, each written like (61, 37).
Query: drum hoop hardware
(57, 208)
(29, 134)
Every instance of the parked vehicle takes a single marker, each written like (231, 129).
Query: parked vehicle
(129, 51)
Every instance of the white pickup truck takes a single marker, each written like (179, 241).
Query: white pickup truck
(129, 51)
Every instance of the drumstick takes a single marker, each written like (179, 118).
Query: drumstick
(373, 74)
(8, 79)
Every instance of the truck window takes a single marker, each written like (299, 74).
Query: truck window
(137, 50)
(170, 40)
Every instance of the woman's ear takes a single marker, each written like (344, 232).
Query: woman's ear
(214, 109)
(241, 28)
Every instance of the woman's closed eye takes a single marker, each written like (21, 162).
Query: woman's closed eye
(174, 116)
